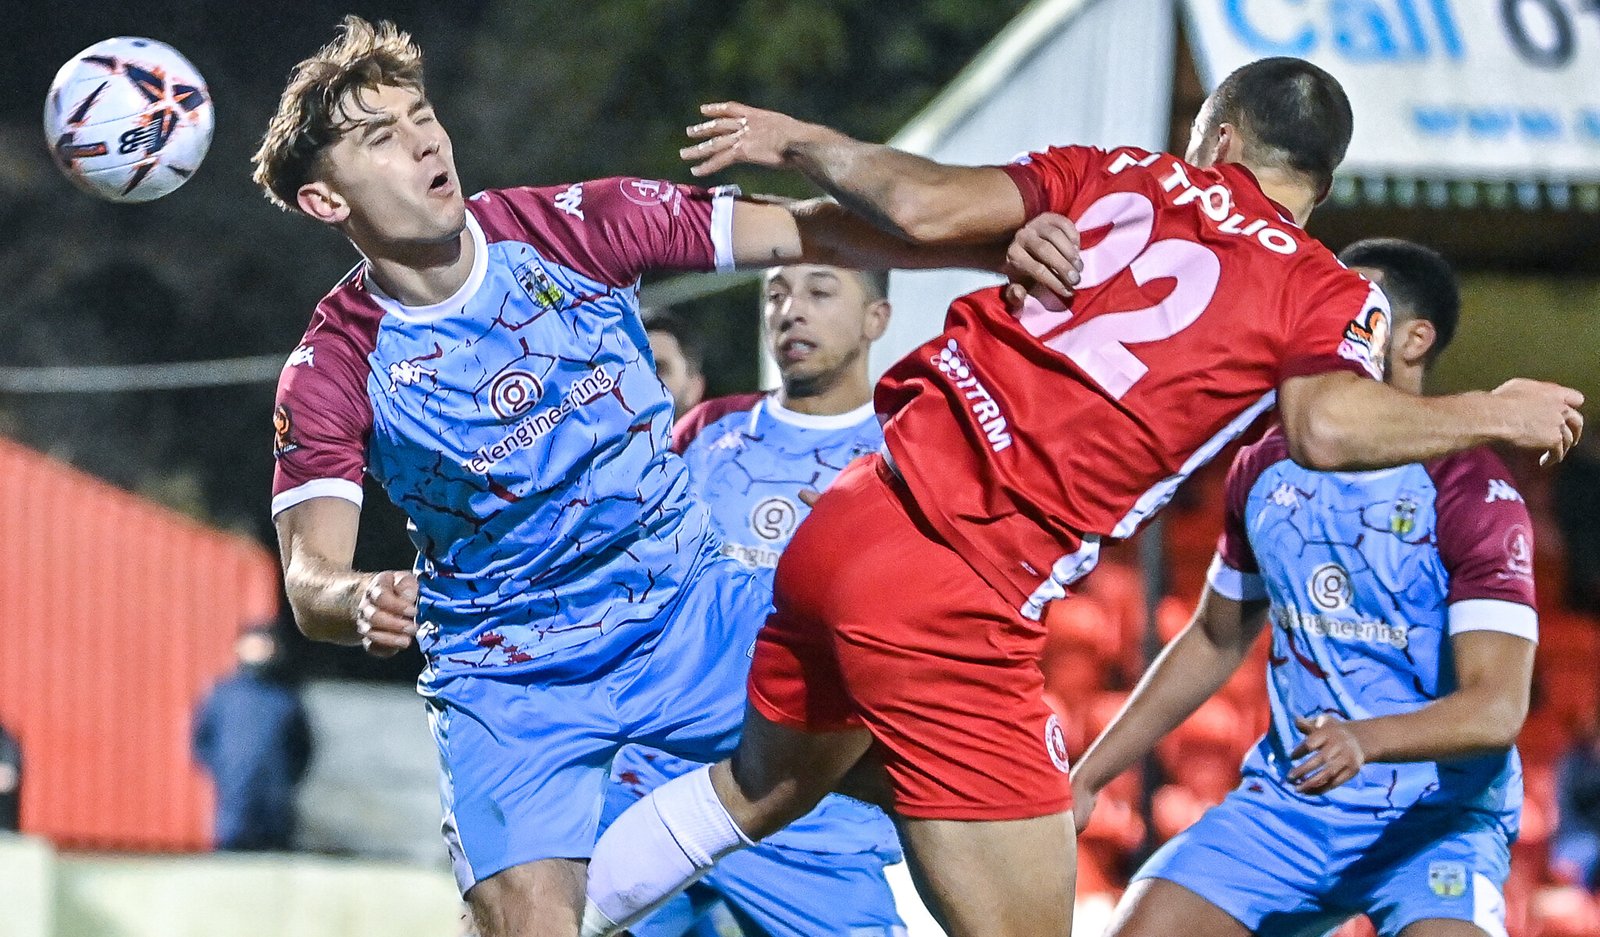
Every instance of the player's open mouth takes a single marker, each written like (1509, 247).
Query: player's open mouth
(795, 349)
(440, 184)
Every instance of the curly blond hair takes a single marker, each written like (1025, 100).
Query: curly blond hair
(311, 113)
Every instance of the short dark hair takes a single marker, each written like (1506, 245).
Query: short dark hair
(1418, 282)
(666, 322)
(1296, 114)
(874, 283)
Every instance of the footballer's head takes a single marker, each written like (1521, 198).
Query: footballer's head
(355, 143)
(820, 323)
(1278, 113)
(679, 358)
(1424, 302)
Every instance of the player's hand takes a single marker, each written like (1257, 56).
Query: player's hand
(1044, 255)
(809, 497)
(1335, 753)
(1083, 801)
(386, 616)
(1543, 417)
(737, 133)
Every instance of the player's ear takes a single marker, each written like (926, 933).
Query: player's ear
(321, 202)
(1230, 145)
(1414, 341)
(877, 320)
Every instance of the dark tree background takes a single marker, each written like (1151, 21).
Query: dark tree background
(532, 91)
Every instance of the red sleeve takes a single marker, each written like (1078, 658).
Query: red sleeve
(1485, 535)
(1338, 321)
(320, 423)
(616, 229)
(704, 414)
(1049, 180)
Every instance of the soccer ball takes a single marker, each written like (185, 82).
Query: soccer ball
(128, 119)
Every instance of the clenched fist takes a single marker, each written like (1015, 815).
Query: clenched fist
(386, 616)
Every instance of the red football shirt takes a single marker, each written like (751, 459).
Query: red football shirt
(1026, 440)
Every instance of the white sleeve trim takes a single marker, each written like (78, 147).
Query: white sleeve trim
(722, 201)
(316, 488)
(1232, 584)
(1511, 618)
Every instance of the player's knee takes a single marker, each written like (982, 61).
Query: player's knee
(761, 800)
(544, 898)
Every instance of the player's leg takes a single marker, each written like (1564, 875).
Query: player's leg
(1156, 906)
(1444, 927)
(1006, 878)
(522, 770)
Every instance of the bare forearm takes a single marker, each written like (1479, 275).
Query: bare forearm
(325, 601)
(1367, 425)
(832, 234)
(1455, 726)
(1188, 672)
(909, 196)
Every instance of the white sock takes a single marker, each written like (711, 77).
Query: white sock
(657, 848)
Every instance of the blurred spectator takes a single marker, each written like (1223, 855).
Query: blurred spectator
(10, 782)
(678, 354)
(1577, 504)
(1575, 847)
(252, 736)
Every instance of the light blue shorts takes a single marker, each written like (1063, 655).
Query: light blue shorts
(1281, 866)
(523, 760)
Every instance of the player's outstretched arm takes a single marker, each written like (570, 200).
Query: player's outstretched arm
(1188, 672)
(1494, 673)
(769, 231)
(332, 602)
(913, 198)
(1338, 421)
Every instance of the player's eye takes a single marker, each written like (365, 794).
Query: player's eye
(774, 299)
(381, 138)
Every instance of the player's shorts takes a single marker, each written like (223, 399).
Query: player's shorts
(524, 760)
(880, 624)
(786, 893)
(1282, 866)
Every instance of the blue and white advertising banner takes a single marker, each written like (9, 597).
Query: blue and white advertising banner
(1442, 89)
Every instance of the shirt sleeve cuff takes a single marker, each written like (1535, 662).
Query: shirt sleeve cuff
(1511, 618)
(722, 201)
(317, 488)
(1230, 583)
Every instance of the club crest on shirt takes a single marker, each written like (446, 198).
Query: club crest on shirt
(1366, 340)
(283, 441)
(1403, 519)
(1447, 879)
(540, 287)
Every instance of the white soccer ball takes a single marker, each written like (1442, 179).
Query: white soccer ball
(128, 119)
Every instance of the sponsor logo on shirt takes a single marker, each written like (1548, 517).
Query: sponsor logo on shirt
(523, 435)
(1365, 631)
(1366, 340)
(953, 364)
(302, 355)
(1501, 490)
(571, 200)
(283, 441)
(753, 557)
(773, 519)
(1329, 587)
(513, 393)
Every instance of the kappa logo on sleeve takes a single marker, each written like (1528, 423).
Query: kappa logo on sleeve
(1366, 340)
(1501, 490)
(283, 441)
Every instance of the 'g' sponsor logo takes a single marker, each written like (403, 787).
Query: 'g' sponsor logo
(1329, 587)
(514, 393)
(774, 519)
(1055, 742)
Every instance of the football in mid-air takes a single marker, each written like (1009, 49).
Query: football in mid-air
(128, 119)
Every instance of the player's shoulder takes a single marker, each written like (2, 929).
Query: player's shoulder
(1478, 472)
(344, 325)
(1254, 460)
(510, 213)
(709, 413)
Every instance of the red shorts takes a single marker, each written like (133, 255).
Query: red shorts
(880, 624)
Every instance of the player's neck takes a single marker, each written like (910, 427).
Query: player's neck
(422, 275)
(848, 393)
(1288, 190)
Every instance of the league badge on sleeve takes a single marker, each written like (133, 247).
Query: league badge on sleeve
(1366, 340)
(283, 441)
